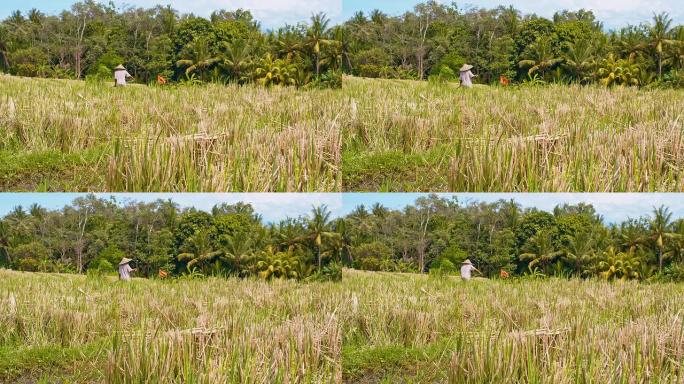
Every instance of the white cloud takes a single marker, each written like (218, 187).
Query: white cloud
(271, 13)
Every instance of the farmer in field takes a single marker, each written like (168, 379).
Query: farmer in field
(467, 76)
(466, 270)
(125, 269)
(120, 76)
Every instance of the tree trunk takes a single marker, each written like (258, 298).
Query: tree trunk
(318, 251)
(660, 66)
(660, 260)
(318, 65)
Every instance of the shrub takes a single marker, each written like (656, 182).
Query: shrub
(101, 267)
(453, 61)
(375, 256)
(31, 257)
(444, 75)
(673, 273)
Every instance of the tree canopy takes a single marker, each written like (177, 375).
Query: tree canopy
(94, 234)
(573, 46)
(92, 38)
(437, 234)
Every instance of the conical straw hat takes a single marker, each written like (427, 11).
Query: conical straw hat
(120, 67)
(125, 261)
(466, 67)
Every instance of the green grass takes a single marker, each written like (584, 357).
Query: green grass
(417, 136)
(416, 329)
(393, 171)
(50, 171)
(50, 362)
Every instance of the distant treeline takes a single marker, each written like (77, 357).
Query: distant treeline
(92, 38)
(436, 235)
(435, 40)
(93, 235)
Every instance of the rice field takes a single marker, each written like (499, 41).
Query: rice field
(76, 329)
(76, 136)
(416, 136)
(369, 328)
(404, 328)
(373, 135)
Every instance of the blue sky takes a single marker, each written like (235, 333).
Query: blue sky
(614, 13)
(273, 207)
(272, 13)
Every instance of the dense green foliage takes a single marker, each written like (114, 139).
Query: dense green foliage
(93, 235)
(437, 234)
(437, 39)
(92, 38)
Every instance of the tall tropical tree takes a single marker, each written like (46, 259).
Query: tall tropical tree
(290, 43)
(320, 230)
(659, 35)
(237, 60)
(579, 60)
(317, 38)
(238, 252)
(198, 58)
(201, 252)
(580, 253)
(676, 55)
(540, 58)
(541, 251)
(660, 228)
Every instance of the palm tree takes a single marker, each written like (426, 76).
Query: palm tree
(201, 251)
(660, 227)
(580, 253)
(580, 60)
(317, 38)
(676, 247)
(272, 71)
(319, 230)
(676, 58)
(540, 58)
(237, 60)
(622, 265)
(659, 35)
(631, 236)
(289, 43)
(542, 251)
(238, 252)
(281, 265)
(343, 46)
(199, 58)
(344, 241)
(623, 72)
